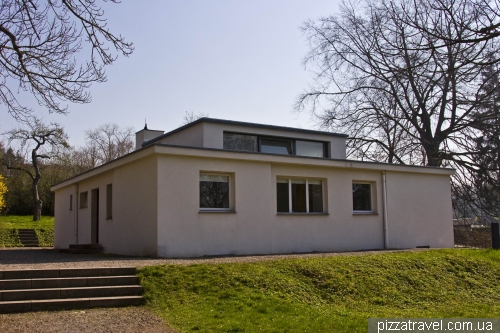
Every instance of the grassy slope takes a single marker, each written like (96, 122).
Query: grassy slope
(334, 294)
(9, 225)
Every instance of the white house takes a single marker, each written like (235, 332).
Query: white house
(218, 187)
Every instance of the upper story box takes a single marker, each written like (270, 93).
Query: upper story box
(249, 137)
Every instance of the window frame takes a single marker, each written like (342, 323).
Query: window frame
(290, 199)
(230, 209)
(373, 202)
(292, 140)
(71, 202)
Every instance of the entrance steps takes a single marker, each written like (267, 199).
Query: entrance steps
(28, 237)
(83, 249)
(68, 288)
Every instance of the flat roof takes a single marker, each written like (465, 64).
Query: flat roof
(242, 123)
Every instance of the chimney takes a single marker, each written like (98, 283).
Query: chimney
(145, 135)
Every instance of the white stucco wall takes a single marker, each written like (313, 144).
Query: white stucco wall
(256, 228)
(65, 219)
(419, 210)
(132, 228)
(191, 136)
(156, 205)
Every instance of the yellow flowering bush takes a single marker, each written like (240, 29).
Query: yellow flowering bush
(3, 190)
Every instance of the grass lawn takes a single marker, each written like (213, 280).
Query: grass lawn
(9, 225)
(333, 294)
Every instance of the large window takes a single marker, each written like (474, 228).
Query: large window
(361, 197)
(310, 148)
(299, 195)
(242, 142)
(274, 145)
(214, 192)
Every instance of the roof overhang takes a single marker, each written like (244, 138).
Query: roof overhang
(163, 149)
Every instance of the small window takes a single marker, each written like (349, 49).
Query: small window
(242, 142)
(71, 202)
(361, 197)
(276, 146)
(109, 201)
(214, 192)
(84, 199)
(299, 195)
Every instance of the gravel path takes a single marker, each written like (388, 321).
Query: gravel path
(131, 319)
(36, 258)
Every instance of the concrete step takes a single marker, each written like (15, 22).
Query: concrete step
(71, 282)
(69, 304)
(61, 293)
(85, 246)
(68, 288)
(83, 249)
(28, 237)
(66, 272)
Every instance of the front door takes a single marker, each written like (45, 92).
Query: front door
(94, 218)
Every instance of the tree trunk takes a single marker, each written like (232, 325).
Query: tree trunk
(37, 203)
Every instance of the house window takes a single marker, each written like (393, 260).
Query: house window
(310, 148)
(274, 145)
(361, 197)
(214, 192)
(71, 202)
(299, 195)
(109, 201)
(242, 142)
(84, 199)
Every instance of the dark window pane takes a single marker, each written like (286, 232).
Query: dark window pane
(315, 196)
(214, 191)
(309, 148)
(299, 196)
(276, 146)
(240, 142)
(282, 196)
(361, 197)
(109, 201)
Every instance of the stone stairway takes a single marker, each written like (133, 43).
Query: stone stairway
(68, 288)
(28, 237)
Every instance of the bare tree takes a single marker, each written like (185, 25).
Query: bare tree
(478, 20)
(108, 142)
(388, 74)
(42, 142)
(189, 117)
(39, 43)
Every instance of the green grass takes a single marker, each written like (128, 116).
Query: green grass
(334, 294)
(10, 224)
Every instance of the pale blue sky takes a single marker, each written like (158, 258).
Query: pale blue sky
(233, 59)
